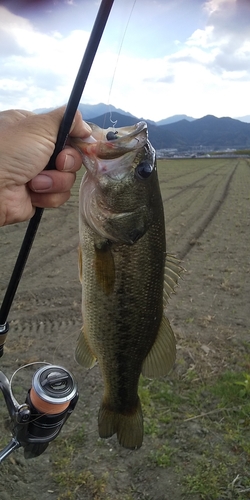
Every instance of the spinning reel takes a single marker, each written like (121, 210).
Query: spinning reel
(49, 403)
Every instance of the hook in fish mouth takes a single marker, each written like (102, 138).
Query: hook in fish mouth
(112, 143)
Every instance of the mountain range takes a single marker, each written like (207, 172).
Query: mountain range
(209, 132)
(180, 132)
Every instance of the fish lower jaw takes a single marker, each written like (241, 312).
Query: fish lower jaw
(116, 168)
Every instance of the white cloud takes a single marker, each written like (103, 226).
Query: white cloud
(202, 75)
(42, 66)
(201, 38)
(227, 37)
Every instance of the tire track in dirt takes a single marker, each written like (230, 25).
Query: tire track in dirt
(196, 233)
(184, 213)
(45, 337)
(43, 325)
(50, 245)
(188, 202)
(52, 254)
(48, 317)
(192, 184)
(187, 173)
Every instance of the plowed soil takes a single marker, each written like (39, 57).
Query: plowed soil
(207, 212)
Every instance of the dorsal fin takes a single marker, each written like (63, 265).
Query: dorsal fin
(172, 273)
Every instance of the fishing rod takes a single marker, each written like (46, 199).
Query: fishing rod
(53, 394)
(74, 99)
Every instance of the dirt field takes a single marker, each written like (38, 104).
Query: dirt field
(197, 420)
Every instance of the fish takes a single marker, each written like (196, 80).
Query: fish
(126, 274)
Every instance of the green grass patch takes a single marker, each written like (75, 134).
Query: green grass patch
(74, 483)
(162, 457)
(211, 415)
(77, 483)
(159, 404)
(212, 479)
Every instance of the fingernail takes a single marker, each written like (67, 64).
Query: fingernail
(41, 183)
(69, 163)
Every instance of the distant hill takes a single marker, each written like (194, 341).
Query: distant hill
(183, 134)
(38, 111)
(213, 132)
(245, 118)
(91, 110)
(175, 118)
(209, 131)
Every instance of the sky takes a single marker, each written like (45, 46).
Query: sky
(157, 58)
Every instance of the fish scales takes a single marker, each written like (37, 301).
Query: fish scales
(122, 262)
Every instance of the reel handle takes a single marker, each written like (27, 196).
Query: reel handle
(12, 446)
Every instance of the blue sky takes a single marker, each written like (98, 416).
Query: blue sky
(157, 58)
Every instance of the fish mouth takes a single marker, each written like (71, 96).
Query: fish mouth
(111, 151)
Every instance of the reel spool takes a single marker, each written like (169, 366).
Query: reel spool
(52, 389)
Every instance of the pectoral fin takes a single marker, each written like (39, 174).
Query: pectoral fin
(161, 357)
(83, 353)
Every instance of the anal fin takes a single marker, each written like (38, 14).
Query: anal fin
(161, 357)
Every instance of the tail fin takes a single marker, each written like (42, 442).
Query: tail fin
(129, 427)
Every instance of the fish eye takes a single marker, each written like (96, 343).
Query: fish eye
(144, 170)
(111, 136)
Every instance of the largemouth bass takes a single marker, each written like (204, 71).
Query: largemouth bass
(125, 272)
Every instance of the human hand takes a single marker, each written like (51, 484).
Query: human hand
(27, 142)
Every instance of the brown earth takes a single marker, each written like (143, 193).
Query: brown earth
(207, 213)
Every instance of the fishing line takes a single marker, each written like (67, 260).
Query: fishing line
(74, 99)
(27, 366)
(114, 122)
(22, 367)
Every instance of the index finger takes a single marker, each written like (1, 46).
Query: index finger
(79, 128)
